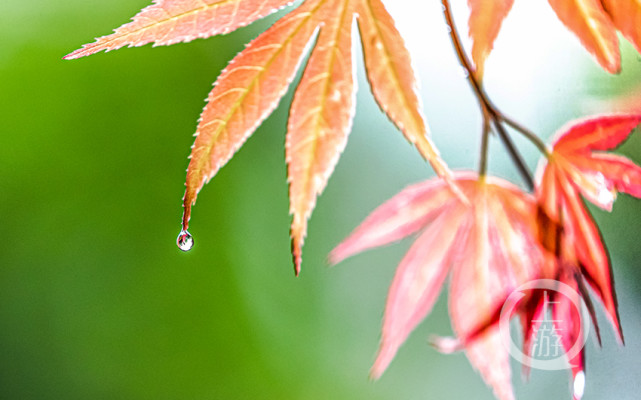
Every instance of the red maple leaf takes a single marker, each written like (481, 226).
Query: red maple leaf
(502, 239)
(566, 320)
(490, 247)
(578, 165)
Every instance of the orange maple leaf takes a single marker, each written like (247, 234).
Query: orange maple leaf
(485, 21)
(253, 83)
(172, 21)
(490, 247)
(594, 22)
(626, 16)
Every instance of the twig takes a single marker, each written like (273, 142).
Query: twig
(492, 117)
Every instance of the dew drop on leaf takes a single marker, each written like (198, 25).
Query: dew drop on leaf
(185, 241)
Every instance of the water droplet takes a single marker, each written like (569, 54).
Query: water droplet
(579, 385)
(185, 241)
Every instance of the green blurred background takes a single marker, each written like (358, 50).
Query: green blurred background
(96, 301)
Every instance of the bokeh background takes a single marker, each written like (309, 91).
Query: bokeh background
(96, 301)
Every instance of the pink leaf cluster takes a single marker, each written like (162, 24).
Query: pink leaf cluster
(502, 239)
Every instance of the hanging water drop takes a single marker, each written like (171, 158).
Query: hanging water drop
(185, 241)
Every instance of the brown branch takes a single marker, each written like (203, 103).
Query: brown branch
(491, 115)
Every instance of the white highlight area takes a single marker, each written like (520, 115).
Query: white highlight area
(579, 385)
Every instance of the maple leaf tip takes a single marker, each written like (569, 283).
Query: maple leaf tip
(619, 336)
(386, 353)
(445, 345)
(379, 368)
(330, 261)
(70, 56)
(334, 257)
(614, 68)
(296, 257)
(376, 372)
(76, 54)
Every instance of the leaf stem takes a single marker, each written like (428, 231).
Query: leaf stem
(485, 138)
(493, 118)
(516, 157)
(528, 134)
